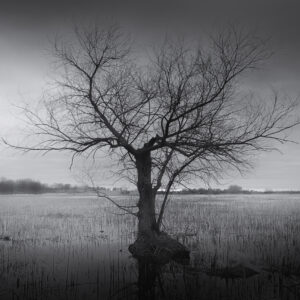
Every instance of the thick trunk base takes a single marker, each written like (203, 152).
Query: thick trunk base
(159, 249)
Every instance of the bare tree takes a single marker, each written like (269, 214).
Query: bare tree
(167, 116)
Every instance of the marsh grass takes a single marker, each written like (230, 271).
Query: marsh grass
(75, 247)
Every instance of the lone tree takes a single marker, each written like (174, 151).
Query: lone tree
(166, 116)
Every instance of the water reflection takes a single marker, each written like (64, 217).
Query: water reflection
(64, 247)
(153, 280)
(108, 273)
(149, 276)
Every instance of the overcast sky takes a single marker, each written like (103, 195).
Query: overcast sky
(25, 68)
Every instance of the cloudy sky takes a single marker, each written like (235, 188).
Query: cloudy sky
(25, 69)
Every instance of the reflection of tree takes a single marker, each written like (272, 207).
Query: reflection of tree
(148, 284)
(149, 277)
(146, 280)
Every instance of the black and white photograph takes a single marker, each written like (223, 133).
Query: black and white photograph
(150, 150)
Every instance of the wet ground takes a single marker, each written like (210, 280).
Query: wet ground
(76, 247)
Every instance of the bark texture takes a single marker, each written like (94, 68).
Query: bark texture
(146, 215)
(152, 245)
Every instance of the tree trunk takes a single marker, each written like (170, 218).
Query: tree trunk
(151, 244)
(146, 215)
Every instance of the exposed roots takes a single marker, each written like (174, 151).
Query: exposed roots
(159, 248)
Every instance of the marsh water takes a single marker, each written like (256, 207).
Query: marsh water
(62, 246)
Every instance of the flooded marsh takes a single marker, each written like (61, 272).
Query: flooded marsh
(62, 246)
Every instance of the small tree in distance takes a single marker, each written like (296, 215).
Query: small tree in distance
(166, 117)
(234, 189)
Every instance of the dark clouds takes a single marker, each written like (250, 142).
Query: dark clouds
(273, 18)
(279, 15)
(277, 18)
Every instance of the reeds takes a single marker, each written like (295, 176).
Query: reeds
(75, 247)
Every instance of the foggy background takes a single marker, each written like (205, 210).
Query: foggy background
(26, 68)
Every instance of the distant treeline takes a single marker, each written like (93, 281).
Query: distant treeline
(28, 186)
(233, 189)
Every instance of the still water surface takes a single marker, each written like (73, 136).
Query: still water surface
(58, 246)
